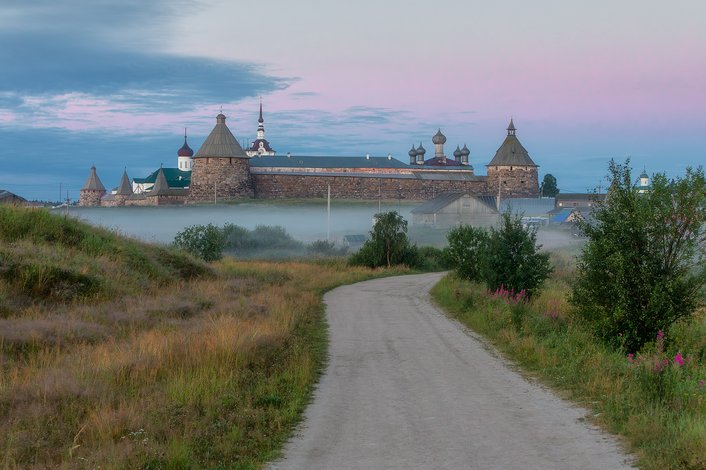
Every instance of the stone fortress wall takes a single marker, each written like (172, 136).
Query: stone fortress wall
(343, 186)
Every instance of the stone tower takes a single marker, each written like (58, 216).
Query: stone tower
(511, 172)
(124, 190)
(92, 191)
(221, 169)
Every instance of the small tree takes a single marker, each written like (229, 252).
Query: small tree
(467, 246)
(642, 267)
(548, 187)
(205, 241)
(512, 259)
(388, 244)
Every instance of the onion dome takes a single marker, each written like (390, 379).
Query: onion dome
(457, 153)
(412, 152)
(439, 138)
(644, 174)
(185, 150)
(465, 151)
(421, 150)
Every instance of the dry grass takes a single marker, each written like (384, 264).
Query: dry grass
(206, 373)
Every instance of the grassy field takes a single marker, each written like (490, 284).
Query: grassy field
(119, 354)
(656, 400)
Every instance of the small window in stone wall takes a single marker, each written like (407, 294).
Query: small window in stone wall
(522, 181)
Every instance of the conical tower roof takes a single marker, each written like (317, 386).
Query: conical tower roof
(125, 188)
(220, 142)
(93, 183)
(511, 152)
(160, 185)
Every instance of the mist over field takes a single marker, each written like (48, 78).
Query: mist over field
(305, 221)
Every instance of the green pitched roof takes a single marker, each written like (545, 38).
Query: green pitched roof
(176, 178)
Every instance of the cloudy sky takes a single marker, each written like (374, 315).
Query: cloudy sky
(114, 83)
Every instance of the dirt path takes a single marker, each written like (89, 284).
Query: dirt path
(408, 388)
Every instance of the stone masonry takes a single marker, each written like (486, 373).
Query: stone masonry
(514, 181)
(224, 178)
(279, 186)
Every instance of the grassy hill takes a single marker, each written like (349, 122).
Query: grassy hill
(120, 354)
(49, 258)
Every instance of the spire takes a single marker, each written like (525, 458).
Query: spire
(160, 185)
(511, 128)
(93, 183)
(261, 120)
(185, 150)
(125, 188)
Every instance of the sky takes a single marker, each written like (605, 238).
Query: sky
(114, 83)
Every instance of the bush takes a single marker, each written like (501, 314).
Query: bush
(388, 244)
(512, 259)
(430, 258)
(467, 246)
(205, 241)
(263, 237)
(642, 267)
(326, 248)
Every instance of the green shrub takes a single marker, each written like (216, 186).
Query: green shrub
(388, 244)
(205, 241)
(430, 258)
(263, 237)
(467, 246)
(326, 248)
(642, 268)
(512, 260)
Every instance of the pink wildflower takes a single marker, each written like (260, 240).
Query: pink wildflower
(678, 359)
(660, 334)
(702, 384)
(631, 357)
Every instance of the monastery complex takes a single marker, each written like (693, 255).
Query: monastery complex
(221, 170)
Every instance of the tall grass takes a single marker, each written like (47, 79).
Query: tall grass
(657, 404)
(168, 364)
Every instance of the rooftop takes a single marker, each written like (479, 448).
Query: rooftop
(176, 178)
(511, 152)
(302, 161)
(220, 142)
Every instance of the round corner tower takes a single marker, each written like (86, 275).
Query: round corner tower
(92, 191)
(221, 169)
(511, 172)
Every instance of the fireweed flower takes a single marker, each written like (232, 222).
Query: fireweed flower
(660, 334)
(678, 359)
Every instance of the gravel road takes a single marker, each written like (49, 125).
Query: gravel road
(406, 387)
